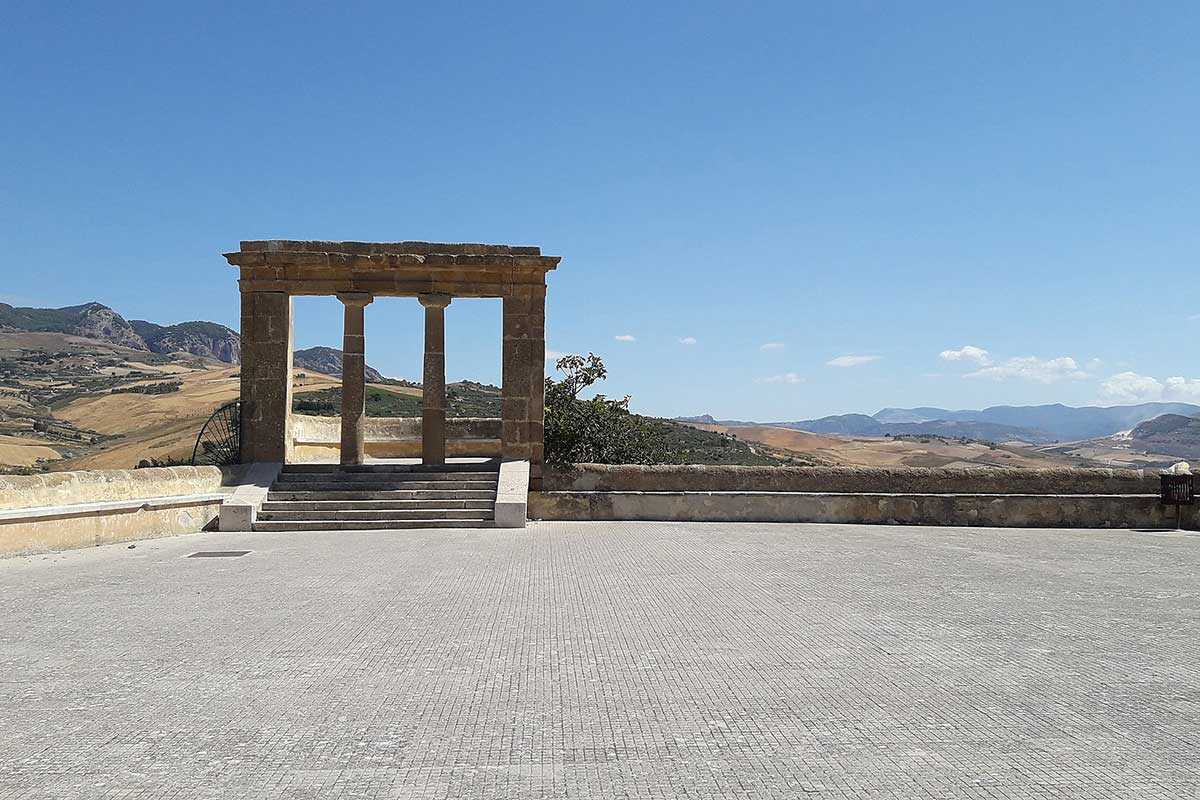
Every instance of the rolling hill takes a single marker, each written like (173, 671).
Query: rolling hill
(1171, 434)
(802, 447)
(328, 361)
(1032, 424)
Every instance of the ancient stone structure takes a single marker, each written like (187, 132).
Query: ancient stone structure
(272, 272)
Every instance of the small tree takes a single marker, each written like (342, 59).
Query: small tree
(595, 431)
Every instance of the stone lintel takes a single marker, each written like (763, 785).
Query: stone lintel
(385, 286)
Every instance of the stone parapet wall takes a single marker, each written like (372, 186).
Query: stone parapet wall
(64, 510)
(1038, 511)
(317, 439)
(91, 524)
(876, 480)
(98, 486)
(313, 429)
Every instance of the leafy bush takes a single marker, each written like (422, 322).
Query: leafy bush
(596, 431)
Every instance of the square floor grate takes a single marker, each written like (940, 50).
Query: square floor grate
(219, 553)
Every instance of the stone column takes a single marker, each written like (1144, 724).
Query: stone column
(266, 377)
(537, 383)
(354, 381)
(433, 391)
(523, 410)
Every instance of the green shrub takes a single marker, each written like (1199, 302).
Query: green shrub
(596, 431)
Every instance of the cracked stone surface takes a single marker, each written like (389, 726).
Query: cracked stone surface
(607, 660)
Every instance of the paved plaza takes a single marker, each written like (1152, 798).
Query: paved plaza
(607, 660)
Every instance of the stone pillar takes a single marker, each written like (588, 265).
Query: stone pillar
(266, 377)
(433, 392)
(354, 381)
(537, 384)
(524, 389)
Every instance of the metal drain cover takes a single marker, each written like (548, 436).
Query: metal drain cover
(219, 554)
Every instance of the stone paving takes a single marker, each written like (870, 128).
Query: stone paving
(607, 660)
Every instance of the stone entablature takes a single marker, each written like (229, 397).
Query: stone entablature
(273, 271)
(399, 269)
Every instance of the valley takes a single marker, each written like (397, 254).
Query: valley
(81, 387)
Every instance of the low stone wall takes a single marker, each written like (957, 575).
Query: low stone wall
(319, 438)
(97, 486)
(1038, 511)
(881, 480)
(63, 510)
(1055, 498)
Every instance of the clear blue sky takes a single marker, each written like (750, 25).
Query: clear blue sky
(788, 184)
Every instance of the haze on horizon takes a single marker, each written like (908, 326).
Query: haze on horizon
(773, 213)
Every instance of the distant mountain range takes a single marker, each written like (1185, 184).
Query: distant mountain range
(99, 322)
(1032, 424)
(207, 339)
(328, 361)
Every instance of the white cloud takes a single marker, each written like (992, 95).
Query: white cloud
(555, 355)
(1033, 370)
(967, 352)
(625, 337)
(687, 340)
(1182, 389)
(772, 346)
(851, 361)
(1130, 387)
(787, 377)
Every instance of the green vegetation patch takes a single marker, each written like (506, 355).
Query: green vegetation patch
(603, 431)
(683, 444)
(462, 400)
(166, 387)
(380, 403)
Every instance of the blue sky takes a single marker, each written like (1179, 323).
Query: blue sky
(792, 209)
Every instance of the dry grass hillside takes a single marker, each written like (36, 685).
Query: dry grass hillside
(164, 427)
(150, 426)
(926, 451)
(72, 403)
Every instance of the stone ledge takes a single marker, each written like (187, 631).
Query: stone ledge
(512, 494)
(18, 515)
(989, 510)
(874, 480)
(110, 485)
(27, 531)
(240, 510)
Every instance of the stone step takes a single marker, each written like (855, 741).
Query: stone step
(323, 504)
(370, 525)
(376, 516)
(440, 495)
(398, 477)
(382, 486)
(388, 468)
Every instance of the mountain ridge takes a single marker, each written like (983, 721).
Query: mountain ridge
(101, 323)
(328, 361)
(1037, 424)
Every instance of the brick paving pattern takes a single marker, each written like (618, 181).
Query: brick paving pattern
(596, 660)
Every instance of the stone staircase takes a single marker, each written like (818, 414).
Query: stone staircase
(325, 497)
